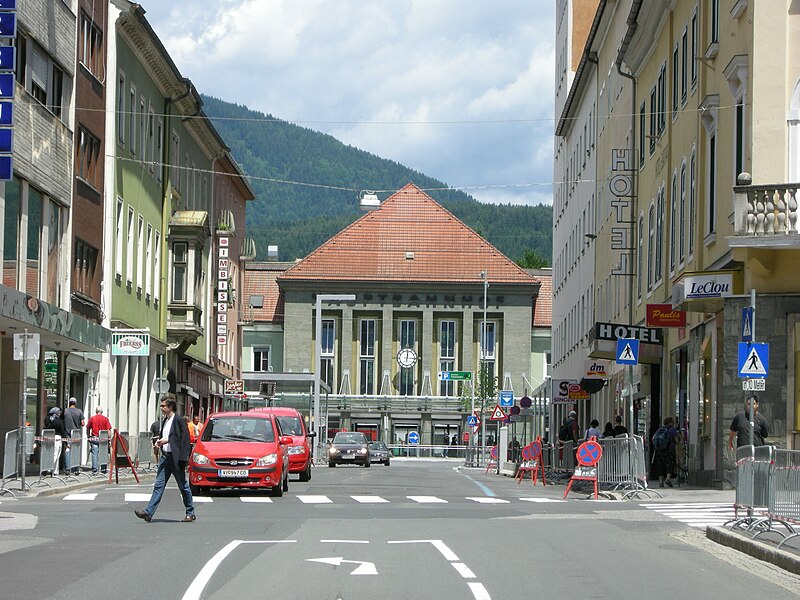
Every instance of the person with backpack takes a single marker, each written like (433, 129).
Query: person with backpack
(664, 463)
(569, 430)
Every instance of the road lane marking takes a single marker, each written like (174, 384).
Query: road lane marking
(427, 499)
(344, 541)
(463, 570)
(204, 576)
(202, 499)
(255, 499)
(485, 489)
(478, 591)
(369, 499)
(363, 568)
(315, 500)
(541, 500)
(485, 500)
(80, 496)
(130, 497)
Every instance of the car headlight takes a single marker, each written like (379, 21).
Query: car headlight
(363, 451)
(333, 451)
(200, 459)
(265, 461)
(297, 450)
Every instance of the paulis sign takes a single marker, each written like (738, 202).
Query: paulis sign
(663, 315)
(614, 332)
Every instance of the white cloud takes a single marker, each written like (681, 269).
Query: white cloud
(467, 83)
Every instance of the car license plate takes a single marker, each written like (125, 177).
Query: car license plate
(232, 473)
(348, 456)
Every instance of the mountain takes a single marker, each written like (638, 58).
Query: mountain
(298, 218)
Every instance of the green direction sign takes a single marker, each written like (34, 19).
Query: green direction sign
(455, 375)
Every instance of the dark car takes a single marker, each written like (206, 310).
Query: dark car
(379, 452)
(348, 448)
(241, 450)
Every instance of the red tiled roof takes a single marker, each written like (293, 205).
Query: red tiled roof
(410, 238)
(260, 279)
(543, 303)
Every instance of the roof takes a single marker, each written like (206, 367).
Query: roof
(260, 279)
(410, 238)
(543, 303)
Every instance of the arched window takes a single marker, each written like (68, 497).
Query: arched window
(651, 242)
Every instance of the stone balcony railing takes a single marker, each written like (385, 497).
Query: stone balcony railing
(765, 215)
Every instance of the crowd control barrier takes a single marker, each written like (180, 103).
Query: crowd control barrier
(145, 455)
(47, 457)
(10, 463)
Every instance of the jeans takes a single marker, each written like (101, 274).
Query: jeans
(94, 448)
(166, 467)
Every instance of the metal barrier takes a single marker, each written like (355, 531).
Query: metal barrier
(101, 442)
(73, 448)
(10, 463)
(47, 457)
(623, 467)
(784, 492)
(145, 453)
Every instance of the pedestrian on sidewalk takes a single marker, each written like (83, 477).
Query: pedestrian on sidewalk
(173, 441)
(593, 431)
(97, 423)
(56, 423)
(664, 463)
(608, 431)
(619, 428)
(740, 427)
(73, 419)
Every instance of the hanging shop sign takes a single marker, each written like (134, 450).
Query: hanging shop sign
(223, 293)
(663, 315)
(130, 343)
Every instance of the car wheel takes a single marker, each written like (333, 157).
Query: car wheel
(331, 464)
(277, 490)
(286, 482)
(306, 475)
(367, 464)
(386, 463)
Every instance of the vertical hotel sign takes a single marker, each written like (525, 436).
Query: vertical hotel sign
(621, 186)
(223, 293)
(8, 56)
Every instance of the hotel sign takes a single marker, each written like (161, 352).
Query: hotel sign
(621, 186)
(663, 315)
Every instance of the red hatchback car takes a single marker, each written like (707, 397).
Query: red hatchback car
(242, 450)
(293, 425)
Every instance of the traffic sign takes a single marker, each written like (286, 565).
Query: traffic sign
(26, 346)
(536, 448)
(753, 360)
(472, 420)
(455, 375)
(747, 324)
(627, 351)
(589, 453)
(413, 437)
(505, 398)
(754, 385)
(498, 414)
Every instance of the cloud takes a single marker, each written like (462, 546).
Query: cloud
(459, 90)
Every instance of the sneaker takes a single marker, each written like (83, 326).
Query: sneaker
(189, 519)
(142, 515)
(668, 482)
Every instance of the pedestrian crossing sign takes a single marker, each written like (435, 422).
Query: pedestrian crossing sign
(627, 351)
(753, 360)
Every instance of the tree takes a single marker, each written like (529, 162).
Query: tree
(532, 260)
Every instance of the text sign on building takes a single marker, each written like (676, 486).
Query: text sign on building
(708, 285)
(455, 375)
(595, 369)
(614, 331)
(663, 315)
(234, 387)
(130, 343)
(621, 186)
(221, 300)
(560, 392)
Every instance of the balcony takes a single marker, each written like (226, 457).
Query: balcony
(765, 216)
(184, 325)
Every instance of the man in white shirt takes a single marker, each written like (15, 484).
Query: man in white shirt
(175, 447)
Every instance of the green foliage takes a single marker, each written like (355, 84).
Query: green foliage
(531, 260)
(298, 218)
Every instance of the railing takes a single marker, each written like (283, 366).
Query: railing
(765, 210)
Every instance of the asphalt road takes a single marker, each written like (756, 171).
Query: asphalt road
(413, 530)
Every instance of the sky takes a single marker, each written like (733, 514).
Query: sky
(460, 90)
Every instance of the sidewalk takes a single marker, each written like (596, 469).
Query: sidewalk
(51, 486)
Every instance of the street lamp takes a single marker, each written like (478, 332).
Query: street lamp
(318, 352)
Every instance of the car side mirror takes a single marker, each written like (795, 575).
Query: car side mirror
(286, 440)
(312, 434)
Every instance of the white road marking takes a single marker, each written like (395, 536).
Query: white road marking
(196, 588)
(485, 500)
(202, 499)
(363, 568)
(129, 497)
(427, 499)
(541, 500)
(315, 499)
(369, 499)
(344, 541)
(478, 591)
(463, 570)
(80, 496)
(255, 499)
(700, 514)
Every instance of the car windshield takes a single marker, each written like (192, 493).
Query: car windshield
(377, 446)
(290, 425)
(349, 438)
(238, 429)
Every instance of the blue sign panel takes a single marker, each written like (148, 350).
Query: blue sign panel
(505, 398)
(6, 141)
(7, 56)
(8, 4)
(6, 85)
(8, 25)
(747, 324)
(472, 421)
(6, 113)
(753, 360)
(627, 351)
(413, 437)
(6, 169)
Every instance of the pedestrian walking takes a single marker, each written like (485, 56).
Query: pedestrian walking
(73, 419)
(740, 427)
(664, 463)
(97, 423)
(195, 429)
(593, 431)
(56, 423)
(569, 430)
(608, 431)
(173, 441)
(619, 428)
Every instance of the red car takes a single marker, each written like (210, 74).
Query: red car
(293, 424)
(241, 450)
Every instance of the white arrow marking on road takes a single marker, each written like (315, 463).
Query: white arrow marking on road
(363, 568)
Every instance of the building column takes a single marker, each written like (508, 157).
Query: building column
(467, 337)
(346, 333)
(387, 357)
(428, 352)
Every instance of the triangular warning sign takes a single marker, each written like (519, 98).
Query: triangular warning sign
(498, 414)
(753, 364)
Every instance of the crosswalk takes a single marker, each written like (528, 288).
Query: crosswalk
(696, 514)
(321, 499)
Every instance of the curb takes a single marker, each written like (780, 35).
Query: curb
(58, 488)
(780, 558)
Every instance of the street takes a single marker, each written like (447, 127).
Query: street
(413, 530)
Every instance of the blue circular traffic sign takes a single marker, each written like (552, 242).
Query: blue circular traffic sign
(413, 437)
(589, 453)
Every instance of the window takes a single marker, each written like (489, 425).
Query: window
(179, 266)
(662, 98)
(684, 66)
(692, 204)
(46, 81)
(129, 248)
(132, 116)
(366, 349)
(675, 74)
(653, 119)
(140, 255)
(84, 268)
(143, 129)
(327, 351)
(640, 257)
(651, 242)
(682, 216)
(151, 141)
(712, 184)
(447, 355)
(148, 262)
(121, 109)
(714, 21)
(487, 350)
(89, 158)
(174, 159)
(659, 266)
(157, 266)
(56, 93)
(673, 218)
(408, 339)
(642, 136)
(34, 241)
(261, 359)
(91, 46)
(119, 229)
(22, 59)
(694, 48)
(159, 155)
(739, 139)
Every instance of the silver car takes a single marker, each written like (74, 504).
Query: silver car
(378, 452)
